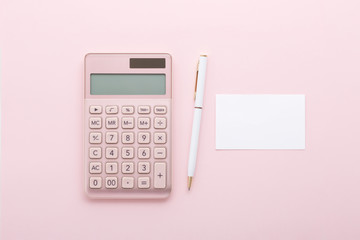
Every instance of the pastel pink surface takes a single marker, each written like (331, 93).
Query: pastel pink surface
(279, 47)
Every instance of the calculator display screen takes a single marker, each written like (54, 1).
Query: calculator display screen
(127, 84)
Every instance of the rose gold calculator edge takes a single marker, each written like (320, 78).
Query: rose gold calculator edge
(120, 131)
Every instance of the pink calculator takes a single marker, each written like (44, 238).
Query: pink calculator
(127, 114)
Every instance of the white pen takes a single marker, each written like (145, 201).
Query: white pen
(198, 97)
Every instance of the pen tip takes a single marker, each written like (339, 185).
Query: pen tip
(189, 182)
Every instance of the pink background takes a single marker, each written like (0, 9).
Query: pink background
(307, 47)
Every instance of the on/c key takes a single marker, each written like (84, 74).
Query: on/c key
(159, 175)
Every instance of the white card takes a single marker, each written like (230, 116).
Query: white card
(260, 121)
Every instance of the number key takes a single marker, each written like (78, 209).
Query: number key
(144, 153)
(144, 167)
(127, 152)
(111, 153)
(127, 167)
(111, 137)
(111, 182)
(127, 137)
(111, 167)
(95, 182)
(144, 137)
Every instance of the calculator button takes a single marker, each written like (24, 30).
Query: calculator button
(144, 153)
(127, 137)
(160, 110)
(127, 122)
(143, 182)
(160, 137)
(144, 123)
(111, 167)
(111, 153)
(95, 152)
(111, 137)
(95, 167)
(127, 152)
(111, 109)
(112, 122)
(95, 182)
(143, 167)
(111, 182)
(95, 109)
(144, 109)
(160, 123)
(127, 167)
(95, 137)
(95, 123)
(127, 110)
(144, 137)
(160, 153)
(127, 182)
(159, 175)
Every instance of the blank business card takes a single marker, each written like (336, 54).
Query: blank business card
(260, 121)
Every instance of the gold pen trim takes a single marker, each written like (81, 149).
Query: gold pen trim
(196, 79)
(189, 182)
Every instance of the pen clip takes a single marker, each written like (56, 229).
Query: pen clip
(197, 73)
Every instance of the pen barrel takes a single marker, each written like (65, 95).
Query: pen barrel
(194, 142)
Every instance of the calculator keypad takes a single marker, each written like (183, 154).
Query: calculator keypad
(128, 147)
